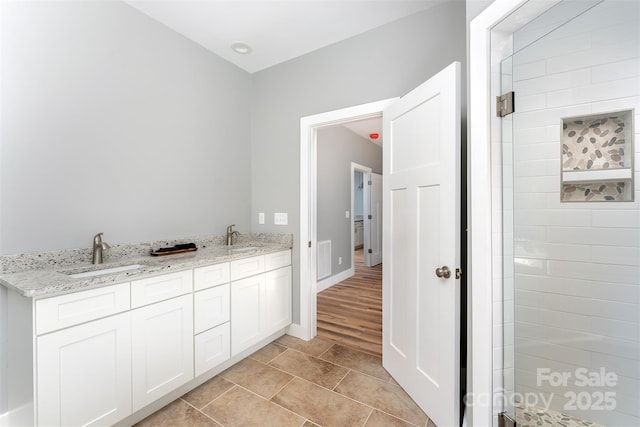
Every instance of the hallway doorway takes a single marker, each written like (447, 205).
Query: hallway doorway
(350, 312)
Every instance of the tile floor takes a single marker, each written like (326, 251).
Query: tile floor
(296, 383)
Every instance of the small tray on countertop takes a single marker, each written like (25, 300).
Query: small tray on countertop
(177, 249)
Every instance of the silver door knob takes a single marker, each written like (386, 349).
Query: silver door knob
(443, 272)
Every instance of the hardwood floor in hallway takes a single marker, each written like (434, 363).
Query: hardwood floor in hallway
(350, 312)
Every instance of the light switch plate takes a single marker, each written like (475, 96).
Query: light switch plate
(261, 218)
(280, 218)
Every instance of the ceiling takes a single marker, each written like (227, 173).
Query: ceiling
(366, 127)
(276, 30)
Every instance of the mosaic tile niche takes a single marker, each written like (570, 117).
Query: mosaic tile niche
(597, 152)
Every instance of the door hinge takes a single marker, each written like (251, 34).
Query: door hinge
(369, 216)
(369, 183)
(505, 420)
(309, 243)
(458, 273)
(505, 104)
(369, 251)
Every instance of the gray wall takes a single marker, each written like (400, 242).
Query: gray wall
(386, 62)
(112, 122)
(337, 148)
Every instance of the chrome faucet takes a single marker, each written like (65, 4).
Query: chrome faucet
(98, 247)
(230, 234)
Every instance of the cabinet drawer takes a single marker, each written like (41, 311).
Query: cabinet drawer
(154, 289)
(211, 307)
(247, 267)
(277, 260)
(71, 309)
(210, 276)
(212, 348)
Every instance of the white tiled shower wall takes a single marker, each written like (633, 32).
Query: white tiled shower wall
(577, 265)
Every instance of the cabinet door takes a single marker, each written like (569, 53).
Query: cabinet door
(84, 373)
(247, 312)
(212, 347)
(278, 299)
(162, 349)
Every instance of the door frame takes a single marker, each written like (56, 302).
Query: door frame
(484, 232)
(309, 126)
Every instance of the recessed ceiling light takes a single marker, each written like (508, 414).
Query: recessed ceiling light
(241, 47)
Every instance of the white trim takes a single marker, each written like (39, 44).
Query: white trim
(308, 220)
(480, 391)
(334, 280)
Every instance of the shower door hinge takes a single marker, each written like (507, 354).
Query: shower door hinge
(370, 251)
(505, 420)
(505, 104)
(309, 243)
(369, 183)
(369, 217)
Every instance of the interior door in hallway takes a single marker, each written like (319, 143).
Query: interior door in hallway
(421, 296)
(373, 220)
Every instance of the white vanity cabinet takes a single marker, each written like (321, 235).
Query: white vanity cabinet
(98, 356)
(261, 302)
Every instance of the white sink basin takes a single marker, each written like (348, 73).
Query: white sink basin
(244, 249)
(95, 273)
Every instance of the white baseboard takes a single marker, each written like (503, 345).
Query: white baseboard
(332, 280)
(296, 330)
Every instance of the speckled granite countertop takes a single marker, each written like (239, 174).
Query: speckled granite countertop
(45, 274)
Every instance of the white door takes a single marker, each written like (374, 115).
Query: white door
(421, 306)
(373, 220)
(162, 348)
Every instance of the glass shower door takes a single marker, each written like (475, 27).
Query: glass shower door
(571, 218)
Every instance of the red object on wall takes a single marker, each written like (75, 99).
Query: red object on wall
(373, 135)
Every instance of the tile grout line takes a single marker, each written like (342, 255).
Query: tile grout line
(293, 377)
(368, 416)
(330, 347)
(206, 415)
(317, 358)
(272, 402)
(270, 360)
(221, 394)
(373, 407)
(341, 379)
